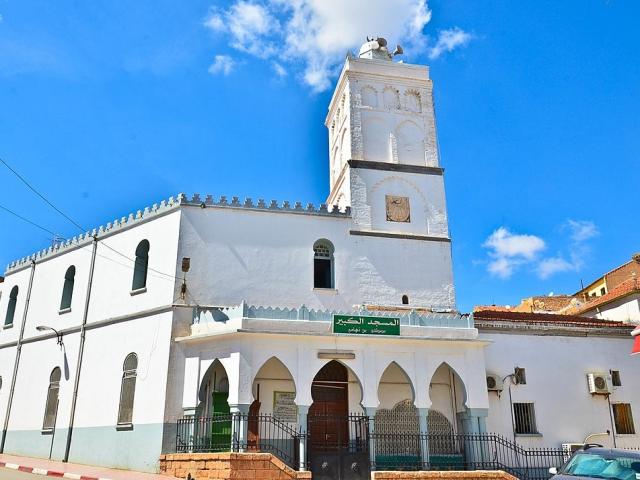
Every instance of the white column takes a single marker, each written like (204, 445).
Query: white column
(303, 411)
(371, 413)
(423, 414)
(239, 426)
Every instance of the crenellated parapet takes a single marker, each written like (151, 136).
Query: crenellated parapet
(197, 200)
(98, 232)
(173, 203)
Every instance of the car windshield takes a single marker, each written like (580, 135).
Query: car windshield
(603, 466)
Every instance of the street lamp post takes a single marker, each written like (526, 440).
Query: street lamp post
(44, 328)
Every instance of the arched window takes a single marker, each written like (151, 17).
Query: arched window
(11, 307)
(323, 274)
(128, 389)
(405, 300)
(67, 289)
(141, 266)
(51, 408)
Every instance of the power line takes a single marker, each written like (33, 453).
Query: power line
(23, 180)
(76, 224)
(27, 220)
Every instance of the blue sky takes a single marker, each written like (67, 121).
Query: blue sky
(109, 106)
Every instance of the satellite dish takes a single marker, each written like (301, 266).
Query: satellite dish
(398, 50)
(381, 41)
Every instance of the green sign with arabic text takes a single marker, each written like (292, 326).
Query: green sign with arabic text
(358, 324)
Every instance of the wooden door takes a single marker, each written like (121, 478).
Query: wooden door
(253, 434)
(328, 422)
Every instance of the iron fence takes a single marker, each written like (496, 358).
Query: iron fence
(220, 433)
(462, 452)
(206, 434)
(355, 438)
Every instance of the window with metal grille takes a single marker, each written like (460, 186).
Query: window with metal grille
(11, 307)
(51, 407)
(323, 276)
(615, 378)
(623, 419)
(67, 289)
(524, 416)
(141, 266)
(128, 389)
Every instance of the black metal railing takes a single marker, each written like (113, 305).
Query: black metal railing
(221, 433)
(206, 434)
(268, 434)
(355, 438)
(462, 452)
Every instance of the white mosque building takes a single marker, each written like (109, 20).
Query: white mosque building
(114, 344)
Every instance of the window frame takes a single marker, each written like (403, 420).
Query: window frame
(129, 375)
(11, 306)
(616, 380)
(141, 268)
(525, 412)
(67, 289)
(51, 409)
(628, 425)
(329, 257)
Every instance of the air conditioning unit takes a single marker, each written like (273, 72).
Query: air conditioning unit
(599, 383)
(569, 448)
(494, 383)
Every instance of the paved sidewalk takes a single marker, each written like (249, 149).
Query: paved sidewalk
(39, 466)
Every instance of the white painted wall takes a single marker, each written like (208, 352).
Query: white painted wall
(426, 201)
(556, 371)
(105, 351)
(7, 361)
(21, 280)
(267, 259)
(113, 274)
(626, 309)
(46, 293)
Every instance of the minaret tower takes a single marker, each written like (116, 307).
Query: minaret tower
(384, 157)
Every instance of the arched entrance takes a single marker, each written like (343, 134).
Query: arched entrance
(274, 393)
(397, 445)
(448, 396)
(337, 441)
(213, 430)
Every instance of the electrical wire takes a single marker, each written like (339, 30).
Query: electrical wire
(27, 220)
(23, 180)
(76, 224)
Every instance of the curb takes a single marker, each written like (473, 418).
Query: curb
(47, 473)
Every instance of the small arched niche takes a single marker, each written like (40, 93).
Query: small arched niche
(412, 101)
(369, 97)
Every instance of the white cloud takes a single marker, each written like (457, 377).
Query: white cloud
(281, 72)
(552, 265)
(313, 36)
(223, 64)
(248, 24)
(581, 230)
(508, 251)
(510, 245)
(449, 40)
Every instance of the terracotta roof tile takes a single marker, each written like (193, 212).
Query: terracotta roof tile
(546, 319)
(625, 288)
